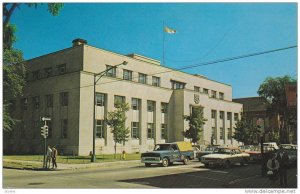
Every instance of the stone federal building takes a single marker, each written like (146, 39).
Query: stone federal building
(60, 86)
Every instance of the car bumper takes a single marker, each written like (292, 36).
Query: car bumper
(212, 163)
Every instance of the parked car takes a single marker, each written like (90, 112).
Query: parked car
(225, 157)
(255, 152)
(245, 148)
(195, 150)
(291, 150)
(207, 150)
(167, 153)
(271, 144)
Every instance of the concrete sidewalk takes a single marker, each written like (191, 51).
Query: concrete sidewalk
(64, 166)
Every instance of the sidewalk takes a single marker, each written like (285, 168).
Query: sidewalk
(63, 166)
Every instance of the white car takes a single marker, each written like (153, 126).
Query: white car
(225, 157)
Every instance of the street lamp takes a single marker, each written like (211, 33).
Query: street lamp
(101, 74)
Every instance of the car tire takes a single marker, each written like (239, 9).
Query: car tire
(185, 161)
(244, 161)
(147, 164)
(165, 162)
(227, 164)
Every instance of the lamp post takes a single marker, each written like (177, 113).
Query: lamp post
(101, 74)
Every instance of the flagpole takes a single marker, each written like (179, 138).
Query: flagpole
(163, 30)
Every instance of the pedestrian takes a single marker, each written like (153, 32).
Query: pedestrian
(283, 160)
(273, 166)
(54, 155)
(123, 155)
(48, 154)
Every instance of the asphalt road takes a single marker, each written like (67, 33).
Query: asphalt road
(194, 175)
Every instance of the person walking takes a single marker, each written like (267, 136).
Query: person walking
(283, 160)
(54, 155)
(273, 166)
(48, 154)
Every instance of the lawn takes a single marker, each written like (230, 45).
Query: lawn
(74, 159)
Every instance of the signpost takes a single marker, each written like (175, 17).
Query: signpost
(44, 133)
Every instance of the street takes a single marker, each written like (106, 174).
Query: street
(134, 175)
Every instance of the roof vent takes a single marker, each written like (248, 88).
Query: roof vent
(79, 41)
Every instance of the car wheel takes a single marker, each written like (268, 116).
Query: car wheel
(227, 164)
(185, 161)
(147, 164)
(243, 162)
(165, 162)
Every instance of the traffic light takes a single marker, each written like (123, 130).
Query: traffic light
(44, 131)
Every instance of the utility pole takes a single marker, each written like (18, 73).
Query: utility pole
(44, 133)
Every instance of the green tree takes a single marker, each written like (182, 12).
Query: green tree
(116, 120)
(273, 89)
(241, 130)
(196, 122)
(13, 67)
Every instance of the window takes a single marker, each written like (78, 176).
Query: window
(213, 114)
(36, 129)
(229, 116)
(127, 75)
(48, 72)
(222, 115)
(100, 99)
(150, 130)
(142, 78)
(118, 100)
(100, 129)
(213, 94)
(64, 99)
(236, 116)
(64, 128)
(24, 103)
(135, 132)
(135, 104)
(229, 133)
(197, 89)
(35, 102)
(177, 85)
(155, 81)
(49, 123)
(61, 69)
(205, 91)
(221, 133)
(164, 107)
(36, 75)
(49, 100)
(164, 131)
(150, 106)
(213, 133)
(221, 96)
(111, 72)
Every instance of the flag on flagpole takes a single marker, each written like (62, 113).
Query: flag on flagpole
(169, 30)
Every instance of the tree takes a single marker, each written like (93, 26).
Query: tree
(241, 130)
(196, 122)
(13, 67)
(116, 120)
(273, 89)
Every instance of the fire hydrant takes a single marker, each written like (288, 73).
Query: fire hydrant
(123, 155)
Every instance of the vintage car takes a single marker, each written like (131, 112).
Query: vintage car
(167, 153)
(225, 157)
(291, 150)
(245, 148)
(207, 150)
(255, 152)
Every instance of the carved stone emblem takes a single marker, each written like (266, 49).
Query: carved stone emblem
(196, 98)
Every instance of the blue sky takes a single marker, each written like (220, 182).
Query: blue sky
(205, 32)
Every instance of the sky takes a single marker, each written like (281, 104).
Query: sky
(204, 32)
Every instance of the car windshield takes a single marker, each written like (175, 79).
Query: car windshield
(222, 151)
(162, 147)
(209, 149)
